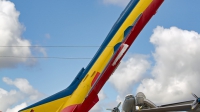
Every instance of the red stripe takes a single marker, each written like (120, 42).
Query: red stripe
(146, 16)
(70, 108)
(95, 78)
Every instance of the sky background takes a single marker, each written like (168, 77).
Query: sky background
(163, 62)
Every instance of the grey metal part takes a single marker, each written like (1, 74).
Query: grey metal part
(178, 103)
(186, 107)
(146, 105)
(195, 105)
(181, 106)
(140, 99)
(129, 104)
(149, 103)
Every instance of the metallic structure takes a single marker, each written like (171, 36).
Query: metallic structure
(145, 105)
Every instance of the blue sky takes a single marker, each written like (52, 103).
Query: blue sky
(86, 23)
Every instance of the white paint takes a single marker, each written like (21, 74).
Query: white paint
(125, 47)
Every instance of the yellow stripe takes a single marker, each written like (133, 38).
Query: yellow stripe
(80, 93)
(54, 106)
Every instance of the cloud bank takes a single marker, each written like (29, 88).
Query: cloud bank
(23, 92)
(11, 35)
(17, 108)
(174, 74)
(129, 73)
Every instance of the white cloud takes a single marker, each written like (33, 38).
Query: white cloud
(11, 35)
(8, 98)
(102, 95)
(25, 93)
(176, 72)
(17, 108)
(116, 2)
(24, 86)
(129, 73)
(2, 92)
(126, 75)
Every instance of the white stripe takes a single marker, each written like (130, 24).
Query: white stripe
(125, 46)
